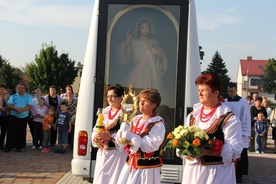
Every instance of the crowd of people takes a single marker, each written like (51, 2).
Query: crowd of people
(240, 124)
(48, 117)
(256, 118)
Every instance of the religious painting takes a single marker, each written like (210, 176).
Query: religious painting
(142, 48)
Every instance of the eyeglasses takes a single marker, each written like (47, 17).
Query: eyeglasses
(111, 96)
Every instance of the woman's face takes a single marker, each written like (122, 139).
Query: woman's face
(69, 94)
(206, 96)
(38, 93)
(146, 106)
(112, 99)
(52, 91)
(249, 101)
(2, 91)
(265, 104)
(258, 103)
(41, 102)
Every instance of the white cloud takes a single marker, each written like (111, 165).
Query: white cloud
(28, 13)
(211, 21)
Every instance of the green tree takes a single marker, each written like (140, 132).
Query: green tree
(268, 80)
(10, 76)
(50, 69)
(218, 66)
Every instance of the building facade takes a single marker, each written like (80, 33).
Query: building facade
(249, 80)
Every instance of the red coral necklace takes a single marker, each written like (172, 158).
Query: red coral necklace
(206, 117)
(112, 116)
(137, 129)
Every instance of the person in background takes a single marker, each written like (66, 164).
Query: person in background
(254, 110)
(64, 127)
(48, 122)
(77, 93)
(61, 92)
(249, 100)
(273, 124)
(241, 109)
(3, 115)
(255, 96)
(35, 99)
(20, 104)
(146, 134)
(73, 120)
(260, 130)
(54, 100)
(72, 107)
(217, 120)
(265, 104)
(38, 115)
(68, 88)
(111, 157)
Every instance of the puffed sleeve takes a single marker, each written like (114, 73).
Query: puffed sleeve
(233, 144)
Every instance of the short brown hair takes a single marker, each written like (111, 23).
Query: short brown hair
(152, 95)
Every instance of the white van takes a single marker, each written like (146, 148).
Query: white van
(173, 30)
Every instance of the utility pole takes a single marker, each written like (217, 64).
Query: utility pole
(247, 80)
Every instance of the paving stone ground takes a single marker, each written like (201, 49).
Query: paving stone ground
(32, 166)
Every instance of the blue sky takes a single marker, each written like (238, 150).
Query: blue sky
(235, 28)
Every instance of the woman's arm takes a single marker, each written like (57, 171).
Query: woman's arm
(154, 139)
(233, 144)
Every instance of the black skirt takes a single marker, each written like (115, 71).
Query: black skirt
(274, 133)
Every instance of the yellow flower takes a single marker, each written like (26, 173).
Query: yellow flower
(196, 142)
(178, 136)
(177, 130)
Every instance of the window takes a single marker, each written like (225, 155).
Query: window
(255, 82)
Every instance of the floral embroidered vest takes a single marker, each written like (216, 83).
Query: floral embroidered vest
(215, 130)
(142, 160)
(112, 128)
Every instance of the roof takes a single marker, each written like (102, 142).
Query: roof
(253, 67)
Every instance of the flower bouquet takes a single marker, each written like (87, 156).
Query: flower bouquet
(191, 140)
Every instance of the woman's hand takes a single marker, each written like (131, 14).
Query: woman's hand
(97, 137)
(189, 157)
(102, 136)
(106, 136)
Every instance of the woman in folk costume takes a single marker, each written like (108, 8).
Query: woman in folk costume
(217, 120)
(110, 157)
(146, 134)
